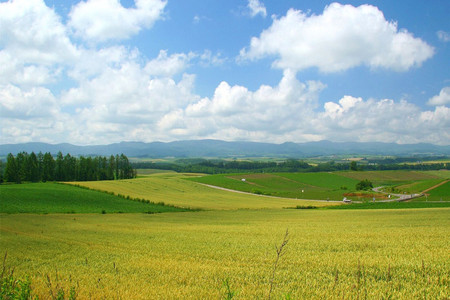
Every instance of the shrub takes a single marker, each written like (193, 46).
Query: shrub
(364, 185)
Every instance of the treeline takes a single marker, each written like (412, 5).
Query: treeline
(44, 167)
(290, 165)
(222, 166)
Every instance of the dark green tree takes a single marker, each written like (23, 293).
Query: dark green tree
(70, 167)
(11, 169)
(111, 167)
(33, 168)
(59, 167)
(48, 167)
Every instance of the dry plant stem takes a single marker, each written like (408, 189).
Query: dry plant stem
(280, 253)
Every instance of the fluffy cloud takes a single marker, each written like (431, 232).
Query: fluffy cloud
(102, 20)
(341, 38)
(383, 120)
(168, 66)
(33, 43)
(442, 99)
(256, 8)
(114, 93)
(289, 112)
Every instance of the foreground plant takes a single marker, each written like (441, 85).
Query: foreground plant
(280, 252)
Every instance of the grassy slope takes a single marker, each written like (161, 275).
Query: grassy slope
(61, 198)
(323, 185)
(293, 185)
(175, 190)
(441, 193)
(373, 254)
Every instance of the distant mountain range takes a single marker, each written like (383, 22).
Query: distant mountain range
(223, 149)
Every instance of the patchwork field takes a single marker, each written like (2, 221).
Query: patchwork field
(326, 186)
(176, 190)
(227, 249)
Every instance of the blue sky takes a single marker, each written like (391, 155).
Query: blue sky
(105, 71)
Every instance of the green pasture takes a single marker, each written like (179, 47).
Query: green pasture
(43, 198)
(382, 178)
(441, 193)
(331, 254)
(324, 185)
(321, 186)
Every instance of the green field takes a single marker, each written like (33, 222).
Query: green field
(364, 251)
(325, 186)
(45, 198)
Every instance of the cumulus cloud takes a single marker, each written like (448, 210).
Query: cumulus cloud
(379, 120)
(33, 43)
(342, 37)
(289, 112)
(256, 8)
(168, 66)
(114, 93)
(443, 36)
(442, 99)
(103, 20)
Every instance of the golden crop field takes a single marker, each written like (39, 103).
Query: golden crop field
(228, 249)
(331, 254)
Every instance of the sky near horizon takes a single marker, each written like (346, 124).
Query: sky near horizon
(104, 71)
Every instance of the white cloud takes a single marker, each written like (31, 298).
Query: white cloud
(111, 94)
(256, 8)
(342, 37)
(442, 99)
(443, 36)
(207, 58)
(168, 66)
(34, 44)
(384, 120)
(103, 20)
(34, 103)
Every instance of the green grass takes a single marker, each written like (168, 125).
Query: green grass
(417, 186)
(440, 193)
(325, 185)
(45, 198)
(382, 178)
(320, 186)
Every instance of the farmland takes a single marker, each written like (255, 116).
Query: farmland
(174, 189)
(330, 254)
(59, 198)
(326, 185)
(228, 246)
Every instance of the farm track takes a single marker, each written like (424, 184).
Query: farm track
(268, 196)
(436, 186)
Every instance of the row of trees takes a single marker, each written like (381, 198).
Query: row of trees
(44, 167)
(289, 165)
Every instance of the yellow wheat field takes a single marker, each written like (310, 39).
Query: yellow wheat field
(366, 254)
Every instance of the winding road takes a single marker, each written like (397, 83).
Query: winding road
(401, 197)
